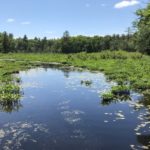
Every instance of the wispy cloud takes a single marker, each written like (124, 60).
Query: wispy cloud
(48, 32)
(87, 5)
(126, 3)
(10, 20)
(103, 5)
(26, 23)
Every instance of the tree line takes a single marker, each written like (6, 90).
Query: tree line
(139, 40)
(66, 44)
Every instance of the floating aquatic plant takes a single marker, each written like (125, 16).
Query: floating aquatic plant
(86, 82)
(116, 93)
(108, 96)
(9, 92)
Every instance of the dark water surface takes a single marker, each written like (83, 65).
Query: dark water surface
(57, 112)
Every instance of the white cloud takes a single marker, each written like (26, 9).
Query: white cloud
(126, 3)
(25, 23)
(10, 20)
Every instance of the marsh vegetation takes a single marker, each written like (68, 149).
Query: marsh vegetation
(132, 69)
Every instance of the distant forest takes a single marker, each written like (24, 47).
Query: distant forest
(66, 44)
(139, 40)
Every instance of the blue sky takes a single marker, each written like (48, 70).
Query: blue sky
(51, 18)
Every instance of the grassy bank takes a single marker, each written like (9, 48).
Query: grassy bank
(123, 67)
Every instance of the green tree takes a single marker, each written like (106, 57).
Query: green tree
(25, 43)
(44, 44)
(11, 43)
(65, 45)
(5, 43)
(143, 30)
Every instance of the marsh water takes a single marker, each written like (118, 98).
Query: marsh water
(57, 112)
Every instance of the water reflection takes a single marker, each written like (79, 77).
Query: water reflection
(10, 106)
(106, 102)
(144, 140)
(66, 72)
(61, 110)
(145, 101)
(19, 132)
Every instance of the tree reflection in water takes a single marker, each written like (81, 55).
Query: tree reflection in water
(117, 99)
(10, 106)
(144, 140)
